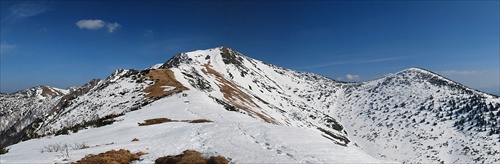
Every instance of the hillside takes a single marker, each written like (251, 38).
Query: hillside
(260, 113)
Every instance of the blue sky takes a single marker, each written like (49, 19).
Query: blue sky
(66, 44)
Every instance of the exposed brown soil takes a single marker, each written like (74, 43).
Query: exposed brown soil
(162, 77)
(121, 156)
(233, 94)
(154, 121)
(191, 157)
(162, 120)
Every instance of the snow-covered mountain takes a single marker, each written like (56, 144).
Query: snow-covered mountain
(260, 113)
(22, 108)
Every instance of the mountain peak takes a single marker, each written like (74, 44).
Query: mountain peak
(420, 75)
(42, 91)
(222, 53)
(417, 70)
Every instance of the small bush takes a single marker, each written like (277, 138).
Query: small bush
(200, 121)
(63, 147)
(135, 139)
(4, 150)
(154, 121)
(189, 157)
(121, 156)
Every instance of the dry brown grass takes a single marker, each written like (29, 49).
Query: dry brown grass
(162, 77)
(135, 139)
(154, 121)
(217, 160)
(121, 156)
(162, 120)
(233, 94)
(199, 121)
(190, 157)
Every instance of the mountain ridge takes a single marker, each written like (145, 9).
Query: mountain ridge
(340, 112)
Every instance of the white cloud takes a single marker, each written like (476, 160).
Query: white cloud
(112, 27)
(456, 72)
(90, 24)
(24, 10)
(352, 77)
(97, 24)
(6, 48)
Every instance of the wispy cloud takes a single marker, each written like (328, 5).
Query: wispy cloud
(352, 77)
(112, 27)
(95, 24)
(379, 60)
(29, 9)
(148, 34)
(355, 62)
(457, 72)
(6, 48)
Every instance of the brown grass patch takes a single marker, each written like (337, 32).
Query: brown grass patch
(154, 121)
(121, 156)
(162, 77)
(199, 121)
(217, 160)
(233, 94)
(135, 139)
(190, 157)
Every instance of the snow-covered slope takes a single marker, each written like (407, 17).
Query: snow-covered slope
(418, 116)
(241, 138)
(265, 113)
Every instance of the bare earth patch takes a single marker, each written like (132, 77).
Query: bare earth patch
(191, 157)
(162, 78)
(162, 120)
(154, 121)
(121, 156)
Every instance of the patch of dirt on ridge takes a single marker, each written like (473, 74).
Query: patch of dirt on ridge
(46, 91)
(233, 94)
(162, 78)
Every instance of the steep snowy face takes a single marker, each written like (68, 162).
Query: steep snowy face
(418, 116)
(269, 93)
